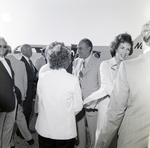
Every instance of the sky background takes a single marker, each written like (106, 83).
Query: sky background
(68, 21)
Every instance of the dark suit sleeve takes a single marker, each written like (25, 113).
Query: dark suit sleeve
(18, 94)
(7, 97)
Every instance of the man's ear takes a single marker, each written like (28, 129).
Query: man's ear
(90, 49)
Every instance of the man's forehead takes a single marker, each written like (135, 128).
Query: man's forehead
(81, 44)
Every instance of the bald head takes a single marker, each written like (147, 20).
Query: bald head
(26, 50)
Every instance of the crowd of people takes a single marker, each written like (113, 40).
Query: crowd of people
(73, 92)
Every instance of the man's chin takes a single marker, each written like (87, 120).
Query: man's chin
(81, 57)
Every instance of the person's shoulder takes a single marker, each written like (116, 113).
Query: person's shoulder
(71, 76)
(132, 61)
(21, 64)
(105, 62)
(39, 59)
(96, 60)
(109, 62)
(44, 68)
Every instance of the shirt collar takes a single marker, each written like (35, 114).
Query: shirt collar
(113, 63)
(26, 58)
(2, 58)
(88, 58)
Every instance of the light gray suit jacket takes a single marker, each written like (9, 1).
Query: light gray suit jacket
(91, 75)
(129, 107)
(20, 74)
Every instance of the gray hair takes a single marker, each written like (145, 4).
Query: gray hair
(59, 57)
(146, 33)
(2, 38)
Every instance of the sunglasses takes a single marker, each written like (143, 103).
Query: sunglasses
(4, 46)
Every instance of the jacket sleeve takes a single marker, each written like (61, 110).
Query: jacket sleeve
(106, 79)
(77, 98)
(74, 67)
(24, 82)
(116, 109)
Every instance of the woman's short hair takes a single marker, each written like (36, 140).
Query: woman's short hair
(59, 56)
(121, 38)
(146, 33)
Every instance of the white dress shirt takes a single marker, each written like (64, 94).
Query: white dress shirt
(59, 101)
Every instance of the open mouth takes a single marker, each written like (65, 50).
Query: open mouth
(123, 55)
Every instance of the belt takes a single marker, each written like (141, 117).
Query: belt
(91, 109)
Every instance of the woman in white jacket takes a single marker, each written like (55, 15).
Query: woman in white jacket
(121, 47)
(59, 101)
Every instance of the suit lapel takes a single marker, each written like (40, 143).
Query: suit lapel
(4, 69)
(27, 64)
(89, 65)
(12, 72)
(77, 66)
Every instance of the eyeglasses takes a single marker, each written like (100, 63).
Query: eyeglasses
(4, 46)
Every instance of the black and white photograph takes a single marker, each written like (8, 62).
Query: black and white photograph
(74, 73)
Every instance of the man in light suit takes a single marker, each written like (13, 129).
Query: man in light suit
(86, 68)
(21, 82)
(31, 81)
(129, 107)
(8, 98)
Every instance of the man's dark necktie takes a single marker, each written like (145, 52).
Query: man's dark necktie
(31, 65)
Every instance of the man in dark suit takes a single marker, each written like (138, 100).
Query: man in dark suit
(31, 78)
(8, 97)
(21, 82)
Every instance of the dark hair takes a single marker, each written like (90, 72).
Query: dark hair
(59, 57)
(87, 42)
(121, 38)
